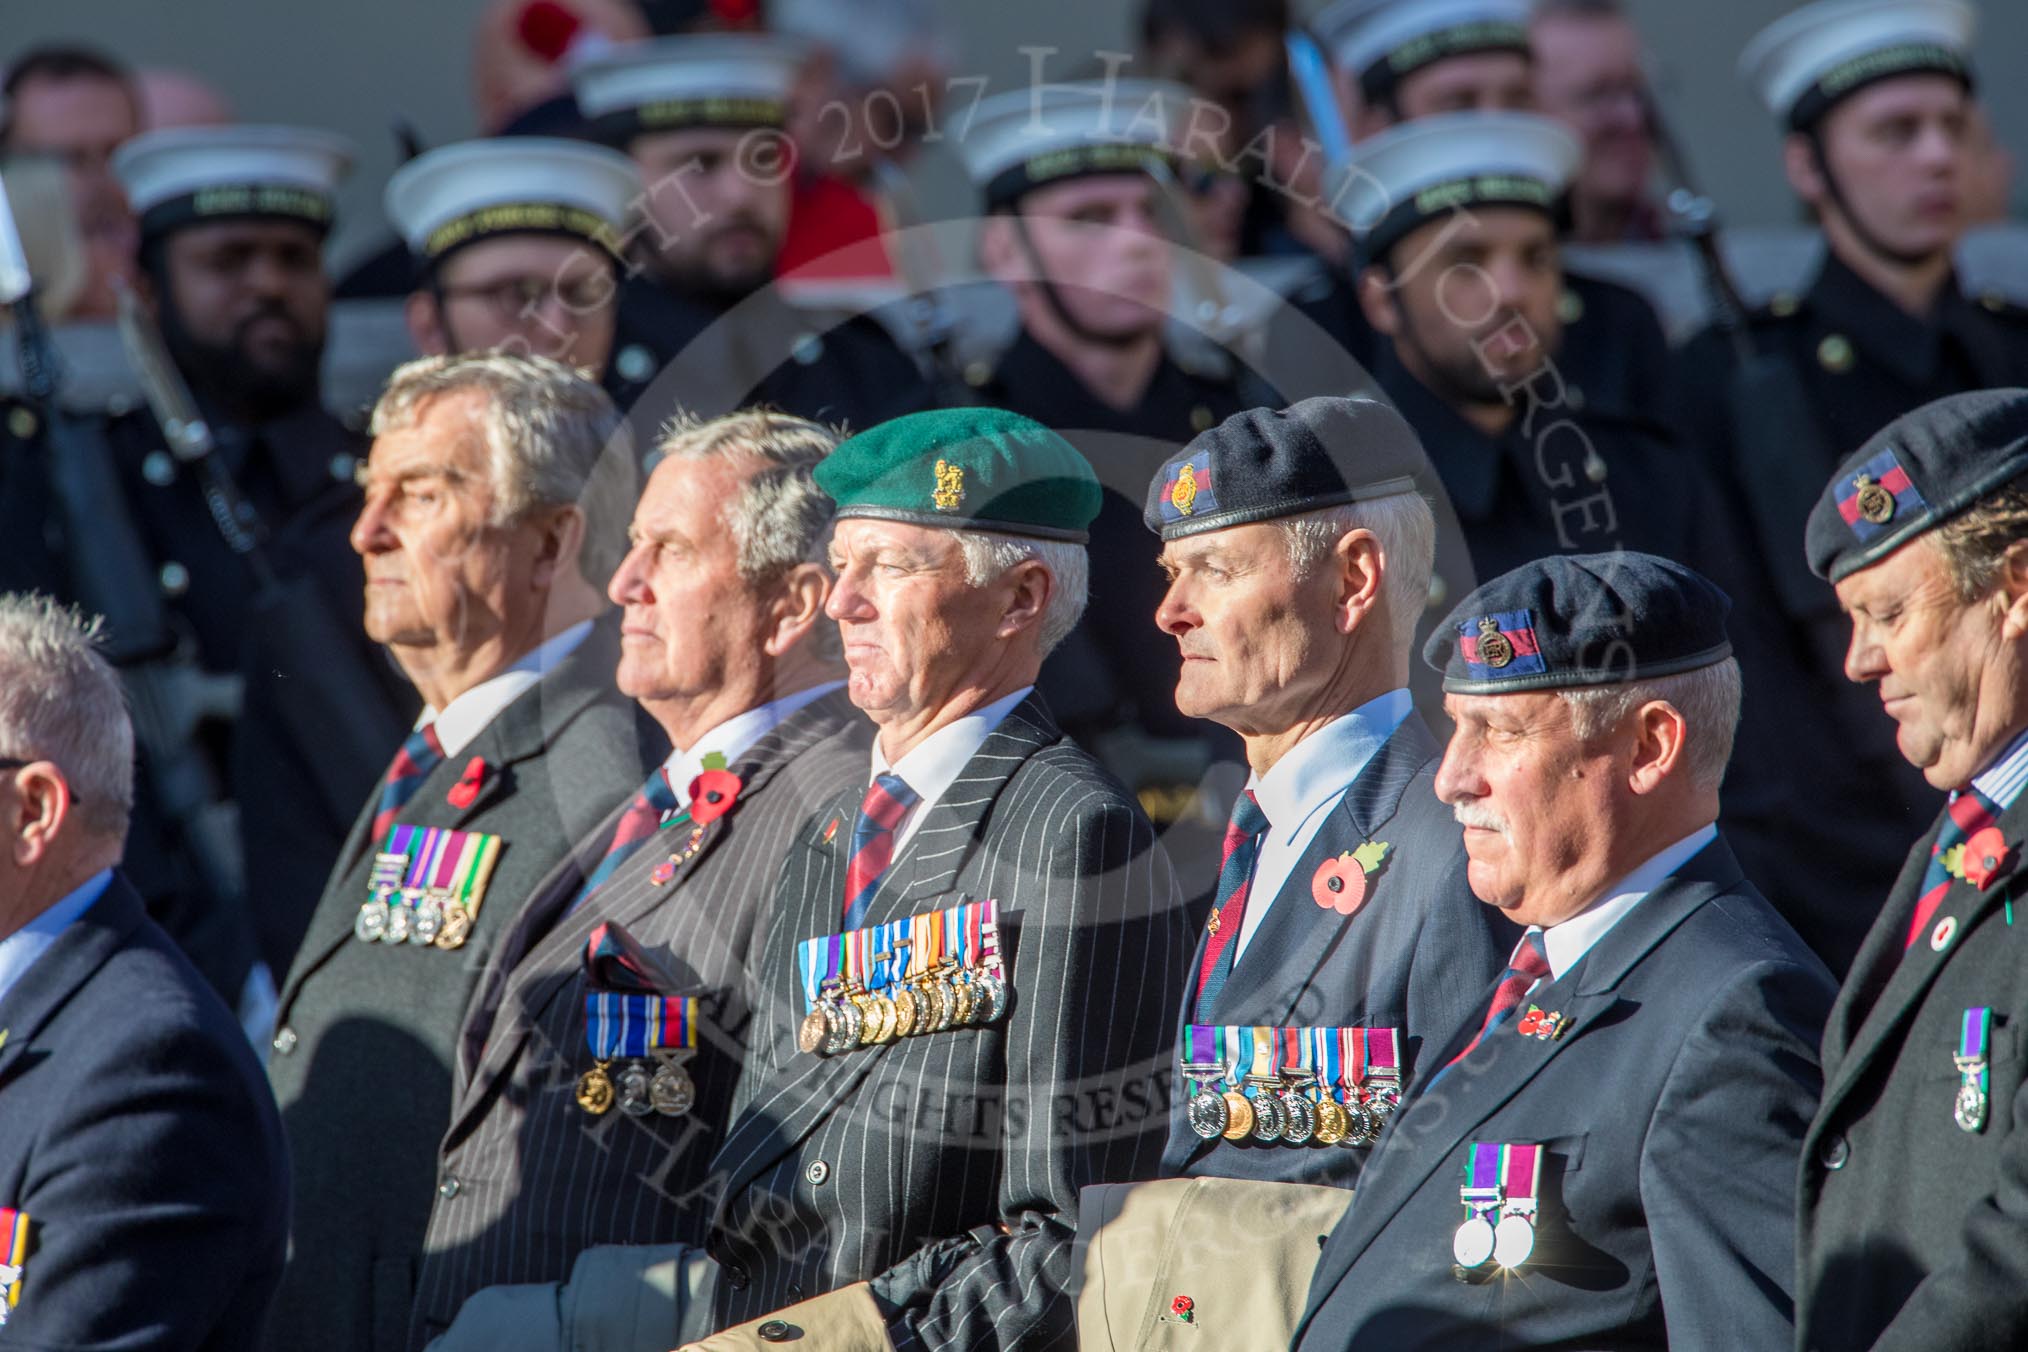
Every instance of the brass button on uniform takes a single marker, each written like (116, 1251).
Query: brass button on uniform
(1833, 1151)
(1784, 305)
(1835, 354)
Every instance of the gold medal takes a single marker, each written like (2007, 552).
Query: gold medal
(967, 1001)
(1239, 1115)
(907, 1005)
(595, 1090)
(457, 927)
(1332, 1122)
(812, 1034)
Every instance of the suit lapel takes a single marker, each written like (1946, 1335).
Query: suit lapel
(69, 962)
(1880, 954)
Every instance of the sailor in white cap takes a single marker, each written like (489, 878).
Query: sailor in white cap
(705, 118)
(1875, 99)
(1401, 59)
(514, 243)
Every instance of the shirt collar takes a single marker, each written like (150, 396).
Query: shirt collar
(2003, 779)
(1571, 940)
(1315, 772)
(19, 950)
(736, 735)
(935, 765)
(465, 717)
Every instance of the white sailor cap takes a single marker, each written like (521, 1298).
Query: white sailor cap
(449, 197)
(185, 175)
(731, 80)
(1806, 61)
(1433, 166)
(1024, 138)
(1383, 42)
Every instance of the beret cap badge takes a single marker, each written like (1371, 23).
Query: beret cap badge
(1184, 493)
(1494, 649)
(950, 489)
(1876, 504)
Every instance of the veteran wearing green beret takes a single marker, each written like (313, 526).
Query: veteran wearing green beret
(965, 1005)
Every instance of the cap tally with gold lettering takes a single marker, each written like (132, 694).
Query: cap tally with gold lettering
(1807, 61)
(1435, 166)
(1917, 473)
(1025, 138)
(1267, 463)
(731, 81)
(1383, 42)
(455, 195)
(1575, 620)
(192, 175)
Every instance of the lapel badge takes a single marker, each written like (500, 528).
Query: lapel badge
(1184, 1309)
(1987, 857)
(1341, 884)
(465, 792)
(713, 793)
(830, 830)
(950, 489)
(1940, 937)
(1545, 1026)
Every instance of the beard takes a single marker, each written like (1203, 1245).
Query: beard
(264, 387)
(723, 285)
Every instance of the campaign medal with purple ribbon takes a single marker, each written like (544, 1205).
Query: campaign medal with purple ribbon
(1482, 1193)
(1207, 1112)
(1974, 1033)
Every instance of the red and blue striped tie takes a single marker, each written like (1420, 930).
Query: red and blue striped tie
(887, 802)
(419, 755)
(1529, 965)
(1228, 911)
(643, 817)
(1969, 813)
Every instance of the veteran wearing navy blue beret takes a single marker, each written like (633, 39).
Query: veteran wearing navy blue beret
(1914, 1223)
(1606, 1156)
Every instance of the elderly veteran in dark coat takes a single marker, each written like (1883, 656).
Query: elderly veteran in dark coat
(966, 999)
(495, 496)
(1344, 947)
(1606, 1159)
(596, 1071)
(1914, 1195)
(143, 1180)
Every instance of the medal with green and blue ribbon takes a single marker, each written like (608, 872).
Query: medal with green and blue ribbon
(1975, 1031)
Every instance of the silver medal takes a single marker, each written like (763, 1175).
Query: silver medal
(1299, 1118)
(671, 1091)
(400, 922)
(1513, 1240)
(635, 1085)
(1268, 1117)
(1473, 1245)
(428, 922)
(1970, 1109)
(370, 923)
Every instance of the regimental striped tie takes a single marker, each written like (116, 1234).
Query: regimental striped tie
(1228, 911)
(643, 817)
(1969, 813)
(888, 800)
(419, 755)
(1529, 965)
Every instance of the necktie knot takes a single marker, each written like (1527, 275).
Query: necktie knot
(658, 795)
(1531, 956)
(1247, 817)
(888, 800)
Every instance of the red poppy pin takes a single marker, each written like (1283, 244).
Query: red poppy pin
(1987, 857)
(1182, 1307)
(712, 793)
(1341, 884)
(465, 792)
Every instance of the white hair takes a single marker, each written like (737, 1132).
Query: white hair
(1708, 698)
(61, 701)
(1406, 530)
(988, 555)
(553, 438)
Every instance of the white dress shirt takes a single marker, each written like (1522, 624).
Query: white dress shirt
(19, 950)
(465, 717)
(1572, 939)
(2002, 780)
(735, 736)
(1299, 793)
(934, 765)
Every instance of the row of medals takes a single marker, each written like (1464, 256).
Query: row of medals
(665, 1089)
(848, 1016)
(1282, 1111)
(426, 916)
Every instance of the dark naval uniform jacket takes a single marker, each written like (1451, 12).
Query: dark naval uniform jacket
(368, 1033)
(1415, 956)
(1912, 1232)
(945, 1168)
(1669, 1111)
(141, 1141)
(540, 1179)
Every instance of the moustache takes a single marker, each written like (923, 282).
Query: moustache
(1485, 819)
(267, 311)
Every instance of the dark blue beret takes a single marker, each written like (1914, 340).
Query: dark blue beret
(1267, 463)
(1916, 473)
(1579, 620)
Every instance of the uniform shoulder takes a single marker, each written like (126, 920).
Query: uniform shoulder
(1740, 930)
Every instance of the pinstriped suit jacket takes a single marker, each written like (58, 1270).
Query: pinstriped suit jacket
(542, 1180)
(946, 1168)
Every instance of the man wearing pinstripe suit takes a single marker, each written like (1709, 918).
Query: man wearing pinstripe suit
(727, 528)
(919, 1192)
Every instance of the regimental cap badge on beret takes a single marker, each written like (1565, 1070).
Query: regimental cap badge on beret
(1187, 488)
(1917, 473)
(950, 489)
(1500, 645)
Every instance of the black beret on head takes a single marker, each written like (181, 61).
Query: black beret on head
(1267, 463)
(1581, 620)
(1917, 473)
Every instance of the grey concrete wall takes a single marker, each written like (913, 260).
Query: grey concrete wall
(355, 64)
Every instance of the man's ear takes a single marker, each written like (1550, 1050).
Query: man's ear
(798, 608)
(1804, 171)
(561, 536)
(999, 254)
(2013, 591)
(1361, 566)
(425, 324)
(1660, 746)
(1032, 587)
(42, 812)
(1376, 300)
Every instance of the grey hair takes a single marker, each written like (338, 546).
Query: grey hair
(988, 555)
(1708, 698)
(780, 517)
(61, 701)
(1976, 542)
(1406, 530)
(553, 439)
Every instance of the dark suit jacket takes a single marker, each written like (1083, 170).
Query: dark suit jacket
(1670, 1112)
(141, 1140)
(368, 1033)
(544, 1180)
(1417, 956)
(946, 1167)
(1913, 1233)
